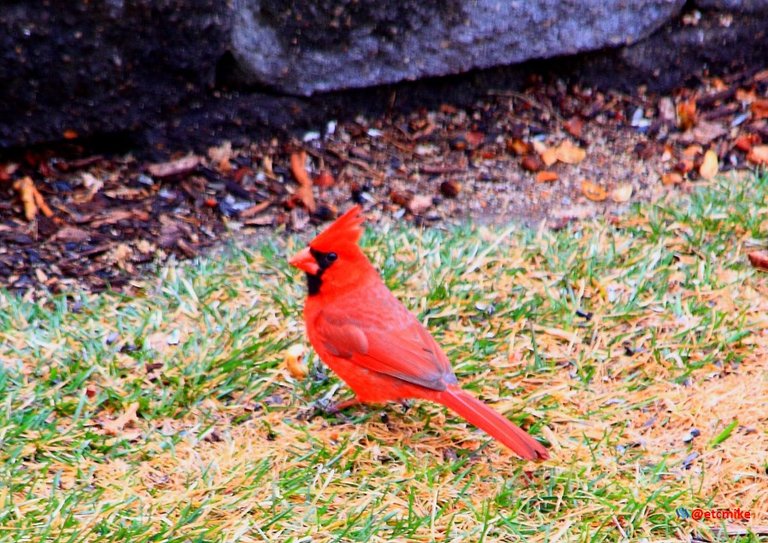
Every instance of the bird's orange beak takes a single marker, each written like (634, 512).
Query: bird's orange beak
(305, 261)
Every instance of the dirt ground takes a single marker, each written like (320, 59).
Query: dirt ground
(70, 218)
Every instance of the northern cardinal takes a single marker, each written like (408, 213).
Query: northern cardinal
(365, 335)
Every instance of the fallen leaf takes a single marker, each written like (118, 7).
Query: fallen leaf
(92, 185)
(116, 215)
(294, 361)
(684, 166)
(671, 178)
(324, 180)
(221, 155)
(745, 142)
(419, 204)
(705, 131)
(574, 126)
(254, 210)
(667, 111)
(759, 108)
(549, 156)
(569, 153)
(71, 234)
(593, 191)
(299, 171)
(518, 146)
(26, 189)
(474, 138)
(121, 254)
(622, 193)
(758, 155)
(759, 259)
(692, 150)
(709, 167)
(180, 166)
(124, 425)
(686, 114)
(532, 163)
(546, 177)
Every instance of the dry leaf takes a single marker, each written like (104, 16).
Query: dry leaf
(574, 126)
(546, 177)
(179, 166)
(692, 150)
(299, 171)
(419, 204)
(686, 114)
(26, 189)
(549, 156)
(71, 234)
(324, 179)
(684, 166)
(745, 142)
(709, 167)
(759, 108)
(667, 110)
(121, 254)
(706, 131)
(569, 153)
(532, 163)
(671, 178)
(593, 191)
(92, 185)
(474, 138)
(622, 193)
(759, 259)
(758, 155)
(254, 210)
(518, 146)
(221, 155)
(125, 425)
(294, 361)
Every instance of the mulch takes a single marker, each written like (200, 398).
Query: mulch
(552, 153)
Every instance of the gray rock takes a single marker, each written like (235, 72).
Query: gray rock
(737, 6)
(304, 47)
(177, 73)
(718, 42)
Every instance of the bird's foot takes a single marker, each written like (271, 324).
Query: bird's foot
(326, 406)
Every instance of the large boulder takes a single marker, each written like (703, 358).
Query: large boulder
(196, 70)
(304, 47)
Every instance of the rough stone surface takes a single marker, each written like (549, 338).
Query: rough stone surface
(718, 42)
(305, 47)
(180, 73)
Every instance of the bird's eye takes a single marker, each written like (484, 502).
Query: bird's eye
(331, 257)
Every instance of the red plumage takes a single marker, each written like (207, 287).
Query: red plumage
(367, 337)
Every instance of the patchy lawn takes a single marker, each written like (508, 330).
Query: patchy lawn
(637, 348)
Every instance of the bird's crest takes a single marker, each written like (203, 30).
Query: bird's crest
(346, 229)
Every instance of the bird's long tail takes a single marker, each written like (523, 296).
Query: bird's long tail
(488, 420)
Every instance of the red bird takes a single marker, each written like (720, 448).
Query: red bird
(365, 335)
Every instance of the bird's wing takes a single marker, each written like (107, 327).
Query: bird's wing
(399, 347)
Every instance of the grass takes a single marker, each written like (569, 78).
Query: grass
(169, 415)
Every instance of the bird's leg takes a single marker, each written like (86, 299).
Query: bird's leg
(333, 408)
(326, 406)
